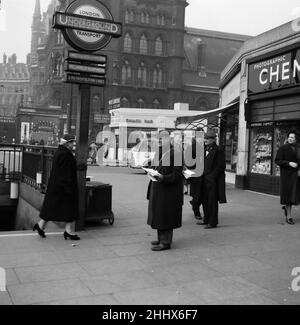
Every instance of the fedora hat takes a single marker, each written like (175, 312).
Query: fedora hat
(67, 138)
(210, 134)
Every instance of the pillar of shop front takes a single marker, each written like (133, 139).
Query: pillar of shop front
(82, 132)
(243, 136)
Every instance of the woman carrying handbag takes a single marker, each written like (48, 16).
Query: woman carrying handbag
(288, 160)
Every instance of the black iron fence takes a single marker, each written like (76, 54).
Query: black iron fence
(29, 164)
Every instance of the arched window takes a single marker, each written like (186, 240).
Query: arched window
(127, 43)
(143, 45)
(158, 46)
(141, 103)
(160, 20)
(145, 18)
(126, 73)
(131, 16)
(157, 77)
(156, 104)
(125, 102)
(127, 16)
(142, 75)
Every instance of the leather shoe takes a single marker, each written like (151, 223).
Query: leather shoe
(210, 226)
(39, 230)
(160, 248)
(155, 242)
(201, 223)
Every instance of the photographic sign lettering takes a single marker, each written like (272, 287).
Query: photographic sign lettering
(274, 73)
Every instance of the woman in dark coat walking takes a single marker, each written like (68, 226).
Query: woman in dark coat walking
(289, 162)
(61, 199)
(166, 196)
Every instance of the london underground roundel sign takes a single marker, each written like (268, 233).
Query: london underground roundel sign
(94, 21)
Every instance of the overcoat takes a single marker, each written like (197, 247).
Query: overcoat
(214, 173)
(61, 199)
(166, 197)
(289, 182)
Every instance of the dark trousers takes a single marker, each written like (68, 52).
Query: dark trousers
(165, 237)
(210, 203)
(196, 202)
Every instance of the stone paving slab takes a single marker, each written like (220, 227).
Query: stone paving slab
(50, 272)
(222, 288)
(247, 260)
(41, 292)
(123, 281)
(167, 295)
(5, 299)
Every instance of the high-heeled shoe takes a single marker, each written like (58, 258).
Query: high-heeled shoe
(39, 230)
(72, 237)
(290, 221)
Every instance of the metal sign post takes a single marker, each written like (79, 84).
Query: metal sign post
(87, 26)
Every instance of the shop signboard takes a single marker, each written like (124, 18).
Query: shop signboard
(274, 73)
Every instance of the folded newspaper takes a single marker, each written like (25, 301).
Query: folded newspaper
(188, 173)
(151, 173)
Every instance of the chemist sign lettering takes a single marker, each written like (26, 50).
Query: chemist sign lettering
(87, 25)
(274, 73)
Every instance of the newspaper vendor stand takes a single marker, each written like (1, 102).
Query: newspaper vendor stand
(99, 202)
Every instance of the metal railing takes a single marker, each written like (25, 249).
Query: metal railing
(10, 162)
(24, 163)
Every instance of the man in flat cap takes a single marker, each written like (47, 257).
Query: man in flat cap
(213, 180)
(61, 199)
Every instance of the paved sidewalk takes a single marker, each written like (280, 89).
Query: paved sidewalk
(247, 260)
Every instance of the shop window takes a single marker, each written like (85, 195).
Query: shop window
(230, 144)
(261, 150)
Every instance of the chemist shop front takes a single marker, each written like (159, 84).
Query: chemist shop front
(271, 111)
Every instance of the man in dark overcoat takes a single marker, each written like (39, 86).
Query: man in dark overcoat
(166, 195)
(61, 199)
(287, 158)
(213, 180)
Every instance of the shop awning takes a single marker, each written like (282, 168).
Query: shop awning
(195, 120)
